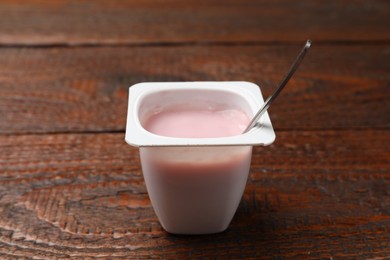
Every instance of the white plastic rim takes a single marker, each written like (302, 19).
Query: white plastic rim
(137, 135)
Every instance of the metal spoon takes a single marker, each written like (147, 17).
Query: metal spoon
(282, 84)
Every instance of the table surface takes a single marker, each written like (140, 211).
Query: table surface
(71, 188)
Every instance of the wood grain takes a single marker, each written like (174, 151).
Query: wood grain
(313, 194)
(148, 22)
(85, 89)
(70, 188)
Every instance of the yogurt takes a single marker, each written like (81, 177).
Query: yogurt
(190, 186)
(194, 157)
(198, 123)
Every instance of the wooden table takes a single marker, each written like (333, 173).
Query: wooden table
(71, 188)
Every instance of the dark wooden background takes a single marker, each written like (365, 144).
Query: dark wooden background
(71, 188)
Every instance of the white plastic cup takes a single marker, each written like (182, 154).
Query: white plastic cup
(195, 184)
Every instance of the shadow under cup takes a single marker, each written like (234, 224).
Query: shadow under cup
(195, 184)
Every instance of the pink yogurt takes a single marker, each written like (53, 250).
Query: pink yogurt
(194, 159)
(200, 193)
(189, 193)
(198, 123)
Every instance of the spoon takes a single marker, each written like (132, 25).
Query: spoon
(280, 87)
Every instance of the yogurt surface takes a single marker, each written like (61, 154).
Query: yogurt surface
(197, 123)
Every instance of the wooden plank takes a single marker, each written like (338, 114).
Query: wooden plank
(321, 194)
(85, 89)
(173, 21)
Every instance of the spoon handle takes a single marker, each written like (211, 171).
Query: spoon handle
(280, 87)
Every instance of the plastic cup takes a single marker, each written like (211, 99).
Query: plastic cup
(195, 184)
